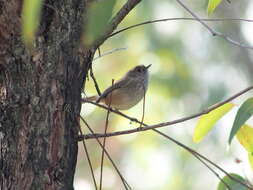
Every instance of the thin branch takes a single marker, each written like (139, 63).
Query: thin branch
(198, 19)
(116, 20)
(170, 138)
(126, 185)
(108, 53)
(143, 106)
(212, 170)
(99, 52)
(148, 127)
(91, 68)
(94, 80)
(195, 153)
(180, 144)
(88, 157)
(67, 109)
(213, 32)
(179, 18)
(106, 127)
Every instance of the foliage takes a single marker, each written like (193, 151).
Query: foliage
(245, 137)
(233, 185)
(207, 121)
(30, 20)
(98, 17)
(212, 5)
(243, 114)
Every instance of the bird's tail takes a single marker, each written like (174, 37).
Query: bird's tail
(90, 99)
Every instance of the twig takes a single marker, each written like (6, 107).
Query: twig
(214, 33)
(178, 143)
(108, 53)
(179, 18)
(91, 68)
(126, 185)
(67, 108)
(170, 138)
(148, 127)
(143, 106)
(88, 157)
(195, 153)
(99, 52)
(212, 170)
(116, 20)
(94, 80)
(106, 127)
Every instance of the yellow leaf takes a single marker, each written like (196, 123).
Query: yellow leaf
(212, 4)
(245, 137)
(207, 121)
(250, 156)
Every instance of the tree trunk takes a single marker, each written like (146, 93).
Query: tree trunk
(40, 97)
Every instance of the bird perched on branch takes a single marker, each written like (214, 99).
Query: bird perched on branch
(126, 92)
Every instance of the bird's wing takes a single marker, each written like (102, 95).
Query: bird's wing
(107, 91)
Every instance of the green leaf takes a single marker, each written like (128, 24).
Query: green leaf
(207, 121)
(98, 16)
(245, 137)
(30, 20)
(234, 185)
(250, 157)
(243, 114)
(212, 4)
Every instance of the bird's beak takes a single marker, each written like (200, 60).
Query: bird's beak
(148, 66)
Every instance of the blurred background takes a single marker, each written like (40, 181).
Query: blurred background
(190, 71)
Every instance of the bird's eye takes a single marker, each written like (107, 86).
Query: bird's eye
(139, 70)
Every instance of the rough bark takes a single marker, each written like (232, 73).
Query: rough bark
(40, 97)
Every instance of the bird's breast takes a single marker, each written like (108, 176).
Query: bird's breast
(126, 96)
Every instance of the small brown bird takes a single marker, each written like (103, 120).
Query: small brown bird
(128, 91)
